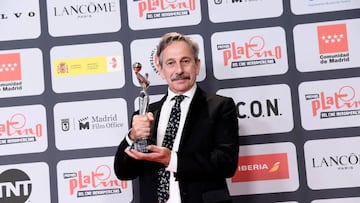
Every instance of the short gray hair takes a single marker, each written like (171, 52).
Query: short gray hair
(170, 37)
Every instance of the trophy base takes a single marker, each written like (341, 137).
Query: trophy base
(141, 145)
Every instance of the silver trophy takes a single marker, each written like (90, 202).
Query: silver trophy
(142, 143)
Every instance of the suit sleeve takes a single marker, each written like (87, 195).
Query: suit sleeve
(124, 166)
(127, 168)
(215, 134)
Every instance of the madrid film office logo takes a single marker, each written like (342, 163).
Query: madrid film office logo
(82, 124)
(15, 185)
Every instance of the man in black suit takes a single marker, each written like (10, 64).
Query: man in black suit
(205, 149)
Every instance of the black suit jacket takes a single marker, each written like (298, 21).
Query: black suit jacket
(207, 154)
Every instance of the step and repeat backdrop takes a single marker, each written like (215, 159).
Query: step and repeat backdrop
(67, 91)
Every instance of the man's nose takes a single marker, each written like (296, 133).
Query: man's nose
(179, 68)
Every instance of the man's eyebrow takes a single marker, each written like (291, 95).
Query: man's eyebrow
(170, 59)
(173, 59)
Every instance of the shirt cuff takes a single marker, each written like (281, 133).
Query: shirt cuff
(127, 137)
(172, 167)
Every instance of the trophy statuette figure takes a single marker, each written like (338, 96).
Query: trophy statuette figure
(142, 143)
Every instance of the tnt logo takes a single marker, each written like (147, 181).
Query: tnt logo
(332, 38)
(15, 186)
(10, 68)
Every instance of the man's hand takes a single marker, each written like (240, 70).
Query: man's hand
(156, 154)
(141, 125)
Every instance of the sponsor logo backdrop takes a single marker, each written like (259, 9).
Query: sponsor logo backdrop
(68, 90)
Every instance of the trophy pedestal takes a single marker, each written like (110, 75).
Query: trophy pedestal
(141, 145)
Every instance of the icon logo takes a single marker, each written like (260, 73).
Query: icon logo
(332, 38)
(10, 68)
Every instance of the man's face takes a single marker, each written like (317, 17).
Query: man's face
(179, 67)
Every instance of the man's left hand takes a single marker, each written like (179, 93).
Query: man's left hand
(156, 154)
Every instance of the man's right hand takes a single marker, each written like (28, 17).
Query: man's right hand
(141, 125)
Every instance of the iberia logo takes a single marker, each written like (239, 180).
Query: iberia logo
(10, 68)
(332, 38)
(262, 167)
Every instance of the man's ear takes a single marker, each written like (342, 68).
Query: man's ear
(197, 64)
(160, 70)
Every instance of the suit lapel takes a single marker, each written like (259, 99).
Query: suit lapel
(156, 109)
(193, 114)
